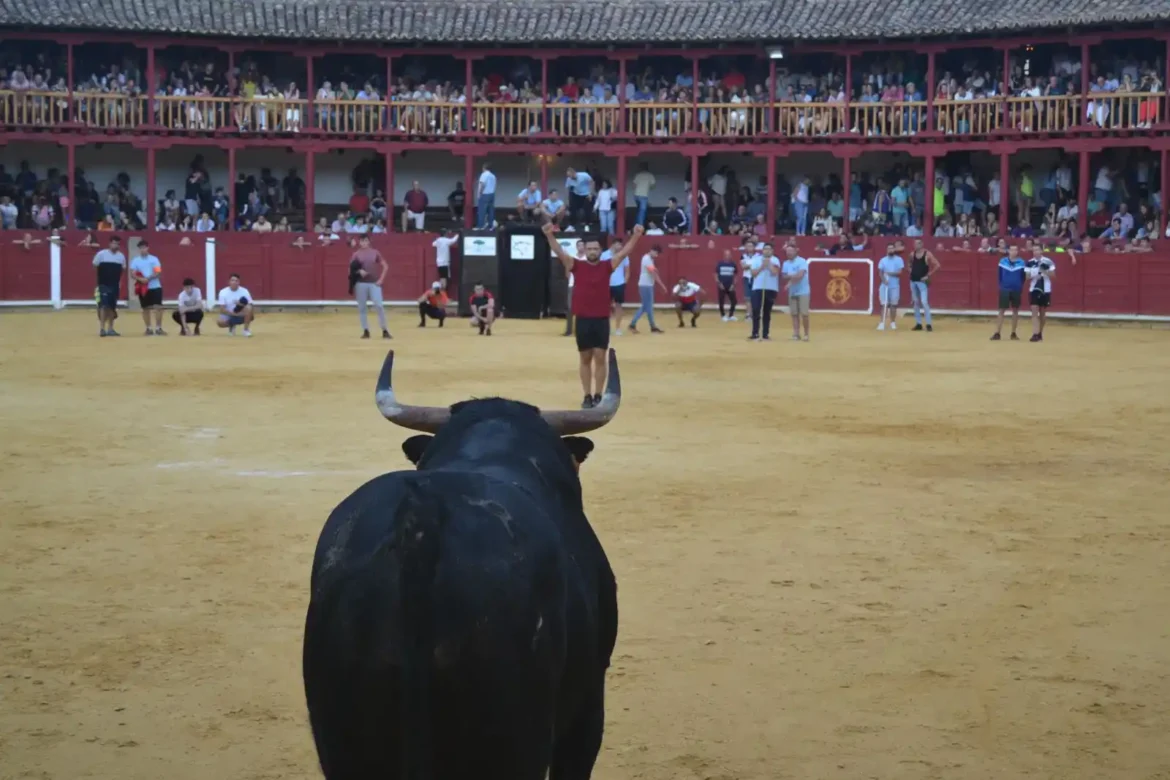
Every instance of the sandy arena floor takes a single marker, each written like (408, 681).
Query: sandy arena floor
(893, 556)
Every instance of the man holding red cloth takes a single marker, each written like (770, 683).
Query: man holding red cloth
(591, 307)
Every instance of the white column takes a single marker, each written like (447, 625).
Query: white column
(209, 271)
(55, 273)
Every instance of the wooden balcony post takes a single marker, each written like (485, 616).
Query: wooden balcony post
(233, 207)
(622, 173)
(770, 209)
(1005, 192)
(621, 98)
(151, 191)
(390, 221)
(310, 189)
(930, 79)
(928, 212)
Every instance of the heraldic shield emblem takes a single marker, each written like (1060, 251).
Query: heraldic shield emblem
(838, 290)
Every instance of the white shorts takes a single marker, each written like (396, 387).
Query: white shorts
(889, 296)
(418, 218)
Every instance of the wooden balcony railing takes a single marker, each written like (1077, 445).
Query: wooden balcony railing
(969, 117)
(1055, 115)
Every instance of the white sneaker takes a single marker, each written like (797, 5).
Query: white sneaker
(881, 326)
(725, 318)
(733, 319)
(231, 330)
(617, 332)
(247, 333)
(893, 326)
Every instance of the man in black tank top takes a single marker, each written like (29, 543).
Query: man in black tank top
(725, 271)
(923, 265)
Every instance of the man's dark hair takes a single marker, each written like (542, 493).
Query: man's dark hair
(364, 237)
(142, 242)
(188, 282)
(672, 200)
(233, 276)
(656, 248)
(115, 238)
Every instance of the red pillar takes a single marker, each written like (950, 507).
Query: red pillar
(71, 192)
(928, 212)
(621, 196)
(151, 193)
(310, 189)
(1005, 190)
(1007, 70)
(770, 211)
(929, 92)
(1084, 117)
(310, 120)
(544, 175)
(469, 185)
(390, 221)
(1163, 178)
(233, 207)
(694, 215)
(1083, 194)
(151, 91)
(545, 120)
(69, 85)
(695, 98)
(621, 98)
(847, 181)
(848, 96)
(468, 75)
(770, 126)
(390, 127)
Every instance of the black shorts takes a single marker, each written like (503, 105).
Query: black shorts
(1009, 299)
(617, 293)
(194, 317)
(434, 312)
(1040, 298)
(691, 306)
(152, 298)
(107, 296)
(592, 333)
(445, 272)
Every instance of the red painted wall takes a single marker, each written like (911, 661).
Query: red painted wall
(273, 268)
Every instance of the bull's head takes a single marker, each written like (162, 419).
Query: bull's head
(566, 424)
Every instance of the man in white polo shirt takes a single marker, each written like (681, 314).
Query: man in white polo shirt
(1040, 270)
(795, 273)
(235, 307)
(485, 199)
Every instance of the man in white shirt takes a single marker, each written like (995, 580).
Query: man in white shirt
(606, 207)
(686, 298)
(528, 202)
(617, 284)
(765, 272)
(1040, 270)
(581, 189)
(718, 185)
(890, 270)
(579, 253)
(442, 246)
(190, 311)
(644, 181)
(235, 307)
(485, 199)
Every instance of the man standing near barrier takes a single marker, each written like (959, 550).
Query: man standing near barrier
(147, 273)
(725, 271)
(890, 270)
(1011, 285)
(923, 265)
(371, 272)
(110, 263)
(617, 284)
(1040, 269)
(765, 271)
(795, 273)
(591, 307)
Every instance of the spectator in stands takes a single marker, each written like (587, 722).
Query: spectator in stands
(528, 202)
(415, 204)
(674, 220)
(261, 225)
(378, 206)
(552, 209)
(644, 182)
(7, 213)
(581, 189)
(456, 201)
(359, 202)
(605, 204)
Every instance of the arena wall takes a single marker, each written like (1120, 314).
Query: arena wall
(296, 269)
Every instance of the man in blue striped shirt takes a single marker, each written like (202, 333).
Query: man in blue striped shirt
(1011, 287)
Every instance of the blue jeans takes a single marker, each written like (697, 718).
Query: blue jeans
(485, 211)
(643, 209)
(920, 298)
(901, 218)
(801, 212)
(608, 221)
(646, 295)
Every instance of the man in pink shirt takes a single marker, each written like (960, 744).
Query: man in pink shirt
(369, 269)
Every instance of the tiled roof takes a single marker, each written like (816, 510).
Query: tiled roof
(574, 21)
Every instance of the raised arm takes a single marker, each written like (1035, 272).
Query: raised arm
(566, 259)
(624, 252)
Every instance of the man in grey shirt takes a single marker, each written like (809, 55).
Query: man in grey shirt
(109, 263)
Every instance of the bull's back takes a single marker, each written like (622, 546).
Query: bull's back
(438, 606)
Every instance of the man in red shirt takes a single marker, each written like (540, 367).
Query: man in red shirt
(591, 306)
(368, 271)
(415, 204)
(483, 309)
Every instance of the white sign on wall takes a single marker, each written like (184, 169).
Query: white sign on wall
(523, 247)
(569, 245)
(479, 246)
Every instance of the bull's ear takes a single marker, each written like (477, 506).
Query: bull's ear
(579, 447)
(415, 446)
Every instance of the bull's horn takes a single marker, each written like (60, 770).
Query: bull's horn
(585, 420)
(428, 419)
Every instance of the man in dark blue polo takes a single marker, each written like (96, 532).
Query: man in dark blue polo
(1011, 287)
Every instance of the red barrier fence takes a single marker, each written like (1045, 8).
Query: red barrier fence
(292, 269)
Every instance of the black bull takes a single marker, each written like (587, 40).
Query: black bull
(463, 615)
